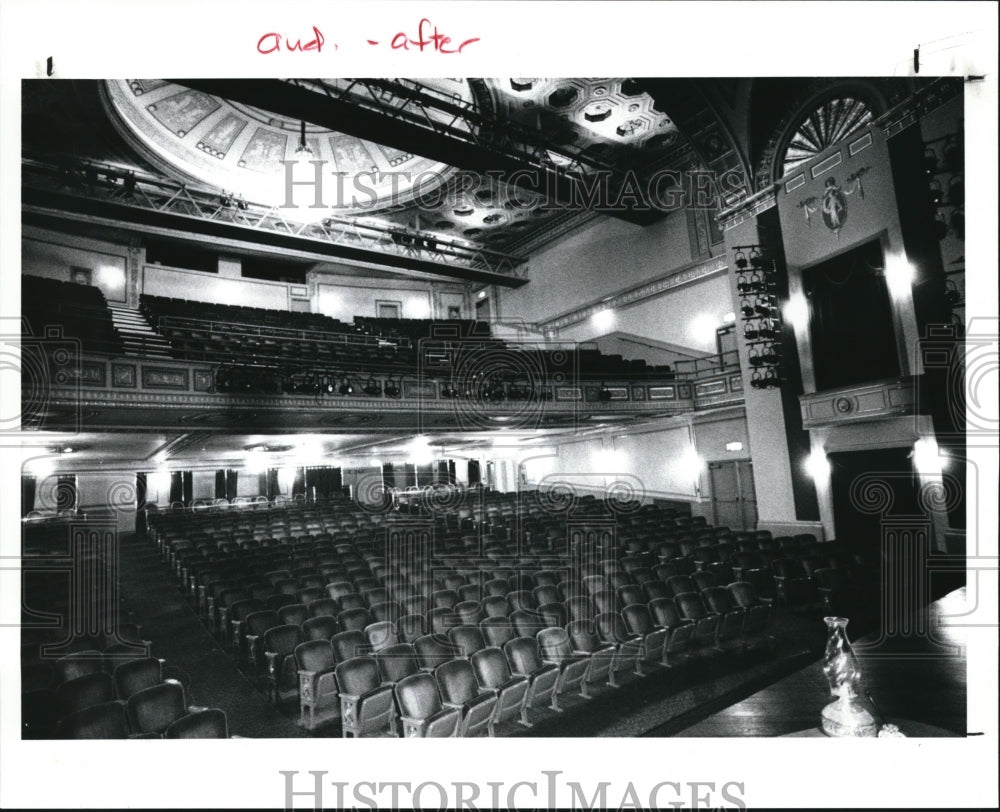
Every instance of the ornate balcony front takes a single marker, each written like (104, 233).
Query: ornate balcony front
(67, 391)
(858, 403)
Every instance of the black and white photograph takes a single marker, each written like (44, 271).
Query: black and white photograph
(630, 426)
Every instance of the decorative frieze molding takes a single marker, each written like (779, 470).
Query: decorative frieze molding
(684, 276)
(750, 207)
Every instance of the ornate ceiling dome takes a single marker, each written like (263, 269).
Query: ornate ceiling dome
(240, 149)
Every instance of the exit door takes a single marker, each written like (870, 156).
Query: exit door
(734, 500)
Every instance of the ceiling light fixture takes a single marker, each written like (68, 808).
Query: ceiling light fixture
(304, 152)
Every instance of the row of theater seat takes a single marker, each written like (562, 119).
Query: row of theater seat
(337, 590)
(79, 311)
(105, 685)
(434, 348)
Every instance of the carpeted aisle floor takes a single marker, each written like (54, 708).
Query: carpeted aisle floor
(190, 652)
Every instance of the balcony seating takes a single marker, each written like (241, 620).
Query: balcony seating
(459, 690)
(80, 311)
(366, 706)
(493, 673)
(421, 710)
(318, 694)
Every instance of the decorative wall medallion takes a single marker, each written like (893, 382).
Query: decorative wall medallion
(833, 203)
(843, 405)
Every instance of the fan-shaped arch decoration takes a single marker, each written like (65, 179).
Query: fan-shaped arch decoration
(822, 127)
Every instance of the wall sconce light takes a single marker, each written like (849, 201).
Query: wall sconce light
(392, 389)
(346, 387)
(371, 387)
(818, 466)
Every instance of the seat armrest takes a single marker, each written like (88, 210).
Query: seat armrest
(196, 708)
(272, 662)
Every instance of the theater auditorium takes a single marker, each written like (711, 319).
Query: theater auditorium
(499, 407)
